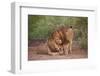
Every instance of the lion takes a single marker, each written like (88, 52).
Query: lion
(61, 41)
(55, 44)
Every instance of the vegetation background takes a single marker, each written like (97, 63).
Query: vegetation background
(40, 27)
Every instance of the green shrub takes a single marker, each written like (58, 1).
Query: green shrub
(40, 27)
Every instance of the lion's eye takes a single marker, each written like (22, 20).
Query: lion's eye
(57, 39)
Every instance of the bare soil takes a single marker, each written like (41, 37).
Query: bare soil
(37, 50)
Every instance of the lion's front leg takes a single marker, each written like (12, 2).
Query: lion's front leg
(70, 47)
(66, 50)
(61, 50)
(52, 53)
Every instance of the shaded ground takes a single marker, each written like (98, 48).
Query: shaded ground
(37, 50)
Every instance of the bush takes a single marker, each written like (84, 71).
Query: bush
(40, 27)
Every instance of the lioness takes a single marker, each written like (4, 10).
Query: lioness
(61, 41)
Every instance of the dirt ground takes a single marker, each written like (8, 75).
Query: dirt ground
(37, 50)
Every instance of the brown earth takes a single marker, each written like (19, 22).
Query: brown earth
(37, 50)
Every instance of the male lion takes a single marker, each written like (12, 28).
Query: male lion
(61, 41)
(55, 44)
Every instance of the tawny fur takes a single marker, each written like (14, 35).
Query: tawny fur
(60, 41)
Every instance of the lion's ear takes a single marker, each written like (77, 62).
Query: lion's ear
(70, 26)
